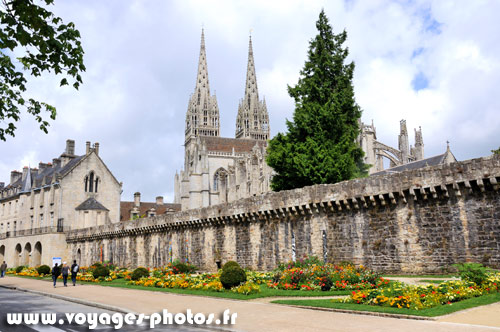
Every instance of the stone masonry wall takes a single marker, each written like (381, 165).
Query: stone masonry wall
(416, 221)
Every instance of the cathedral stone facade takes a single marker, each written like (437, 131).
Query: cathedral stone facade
(375, 151)
(218, 169)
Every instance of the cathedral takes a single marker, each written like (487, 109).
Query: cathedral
(219, 169)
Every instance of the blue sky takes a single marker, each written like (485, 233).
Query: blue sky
(434, 63)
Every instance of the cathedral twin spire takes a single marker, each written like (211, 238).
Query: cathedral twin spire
(202, 118)
(252, 120)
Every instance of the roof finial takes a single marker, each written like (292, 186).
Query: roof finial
(447, 145)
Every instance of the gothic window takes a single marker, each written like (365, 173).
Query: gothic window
(91, 182)
(216, 181)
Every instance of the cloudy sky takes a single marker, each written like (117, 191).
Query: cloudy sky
(434, 63)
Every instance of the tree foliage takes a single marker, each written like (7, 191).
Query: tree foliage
(320, 145)
(33, 40)
(497, 151)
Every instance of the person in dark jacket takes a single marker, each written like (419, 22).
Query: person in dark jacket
(74, 271)
(65, 274)
(3, 268)
(56, 271)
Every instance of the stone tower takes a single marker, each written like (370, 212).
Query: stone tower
(252, 121)
(418, 150)
(202, 117)
(404, 146)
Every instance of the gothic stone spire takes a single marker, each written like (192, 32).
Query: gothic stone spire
(252, 120)
(202, 117)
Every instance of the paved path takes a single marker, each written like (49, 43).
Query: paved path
(416, 281)
(254, 316)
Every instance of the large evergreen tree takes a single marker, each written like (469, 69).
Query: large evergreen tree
(321, 143)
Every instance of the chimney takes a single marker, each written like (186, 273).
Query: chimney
(25, 172)
(56, 162)
(42, 166)
(2, 184)
(70, 147)
(159, 200)
(87, 147)
(14, 175)
(96, 148)
(137, 199)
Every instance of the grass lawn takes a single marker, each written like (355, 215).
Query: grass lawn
(444, 276)
(264, 290)
(431, 312)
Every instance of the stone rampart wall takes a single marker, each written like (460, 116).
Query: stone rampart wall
(415, 221)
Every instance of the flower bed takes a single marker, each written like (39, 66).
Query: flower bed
(319, 276)
(421, 297)
(204, 281)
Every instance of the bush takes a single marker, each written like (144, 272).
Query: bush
(232, 276)
(230, 264)
(19, 269)
(100, 271)
(325, 283)
(43, 269)
(178, 267)
(139, 273)
(474, 272)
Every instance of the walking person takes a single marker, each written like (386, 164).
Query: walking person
(74, 271)
(56, 271)
(65, 273)
(3, 268)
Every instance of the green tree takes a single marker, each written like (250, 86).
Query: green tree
(497, 151)
(320, 145)
(33, 40)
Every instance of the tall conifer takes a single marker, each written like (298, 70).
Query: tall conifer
(321, 143)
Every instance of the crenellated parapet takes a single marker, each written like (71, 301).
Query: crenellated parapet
(429, 184)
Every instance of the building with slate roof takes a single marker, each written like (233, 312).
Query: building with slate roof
(218, 169)
(39, 205)
(445, 158)
(138, 209)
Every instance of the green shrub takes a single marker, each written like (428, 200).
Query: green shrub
(43, 269)
(232, 276)
(19, 269)
(100, 271)
(178, 267)
(139, 273)
(230, 264)
(474, 272)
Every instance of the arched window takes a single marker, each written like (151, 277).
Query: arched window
(216, 181)
(91, 182)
